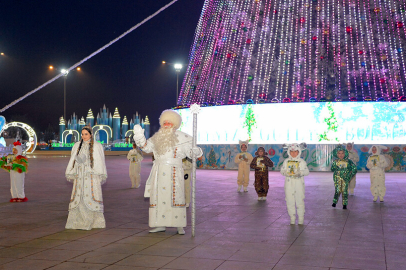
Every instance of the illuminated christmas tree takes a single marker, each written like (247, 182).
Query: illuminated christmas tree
(261, 49)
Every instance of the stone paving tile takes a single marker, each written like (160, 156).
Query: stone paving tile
(18, 252)
(295, 267)
(81, 245)
(121, 248)
(193, 264)
(100, 257)
(234, 265)
(146, 261)
(56, 255)
(210, 252)
(358, 263)
(42, 243)
(25, 264)
(121, 267)
(78, 266)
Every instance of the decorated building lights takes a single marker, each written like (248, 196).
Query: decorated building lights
(296, 49)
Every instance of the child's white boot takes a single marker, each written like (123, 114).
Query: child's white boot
(292, 220)
(300, 221)
(239, 188)
(245, 189)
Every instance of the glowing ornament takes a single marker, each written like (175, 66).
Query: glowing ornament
(383, 57)
(400, 50)
(196, 77)
(317, 82)
(377, 10)
(286, 100)
(399, 24)
(282, 52)
(318, 8)
(363, 64)
(348, 29)
(229, 55)
(382, 80)
(303, 41)
(249, 41)
(360, 52)
(314, 38)
(325, 32)
(343, 64)
(322, 57)
(287, 62)
(353, 99)
(367, 98)
(245, 29)
(250, 77)
(302, 20)
(365, 84)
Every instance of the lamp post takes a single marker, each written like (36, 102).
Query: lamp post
(177, 67)
(65, 73)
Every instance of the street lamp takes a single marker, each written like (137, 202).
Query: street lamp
(65, 75)
(177, 67)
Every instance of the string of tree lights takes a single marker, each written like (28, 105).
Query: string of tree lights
(261, 51)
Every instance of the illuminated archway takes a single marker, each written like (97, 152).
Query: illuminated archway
(105, 128)
(32, 136)
(68, 134)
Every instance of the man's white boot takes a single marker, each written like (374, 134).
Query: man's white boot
(181, 231)
(157, 229)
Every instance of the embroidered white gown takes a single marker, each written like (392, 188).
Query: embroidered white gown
(86, 204)
(165, 185)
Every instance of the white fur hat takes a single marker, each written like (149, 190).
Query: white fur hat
(243, 142)
(171, 116)
(379, 149)
(294, 147)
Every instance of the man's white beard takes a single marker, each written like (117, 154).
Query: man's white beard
(164, 140)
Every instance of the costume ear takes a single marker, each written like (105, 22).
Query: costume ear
(285, 146)
(303, 145)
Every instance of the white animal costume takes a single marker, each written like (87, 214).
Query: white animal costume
(16, 165)
(243, 160)
(353, 156)
(86, 203)
(187, 170)
(135, 158)
(376, 164)
(294, 169)
(165, 185)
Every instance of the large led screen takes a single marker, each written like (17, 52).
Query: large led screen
(359, 122)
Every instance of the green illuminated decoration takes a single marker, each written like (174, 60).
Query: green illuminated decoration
(250, 122)
(332, 124)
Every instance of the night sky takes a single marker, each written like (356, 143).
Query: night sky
(128, 75)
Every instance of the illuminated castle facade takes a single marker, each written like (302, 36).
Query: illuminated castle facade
(106, 128)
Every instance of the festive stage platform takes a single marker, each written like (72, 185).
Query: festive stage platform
(364, 123)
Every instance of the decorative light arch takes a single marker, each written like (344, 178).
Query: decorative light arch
(32, 136)
(106, 128)
(68, 132)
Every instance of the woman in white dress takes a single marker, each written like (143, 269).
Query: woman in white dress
(87, 171)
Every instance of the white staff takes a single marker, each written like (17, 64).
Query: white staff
(194, 109)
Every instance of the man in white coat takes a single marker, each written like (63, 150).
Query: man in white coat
(165, 185)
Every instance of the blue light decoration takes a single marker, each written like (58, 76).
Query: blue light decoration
(312, 99)
(381, 99)
(249, 101)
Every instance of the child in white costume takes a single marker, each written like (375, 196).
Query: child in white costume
(353, 156)
(187, 172)
(135, 158)
(243, 160)
(294, 169)
(16, 165)
(376, 164)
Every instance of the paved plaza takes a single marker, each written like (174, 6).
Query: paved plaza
(233, 231)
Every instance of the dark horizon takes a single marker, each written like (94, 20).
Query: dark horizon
(128, 75)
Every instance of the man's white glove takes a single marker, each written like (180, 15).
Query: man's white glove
(139, 137)
(197, 151)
